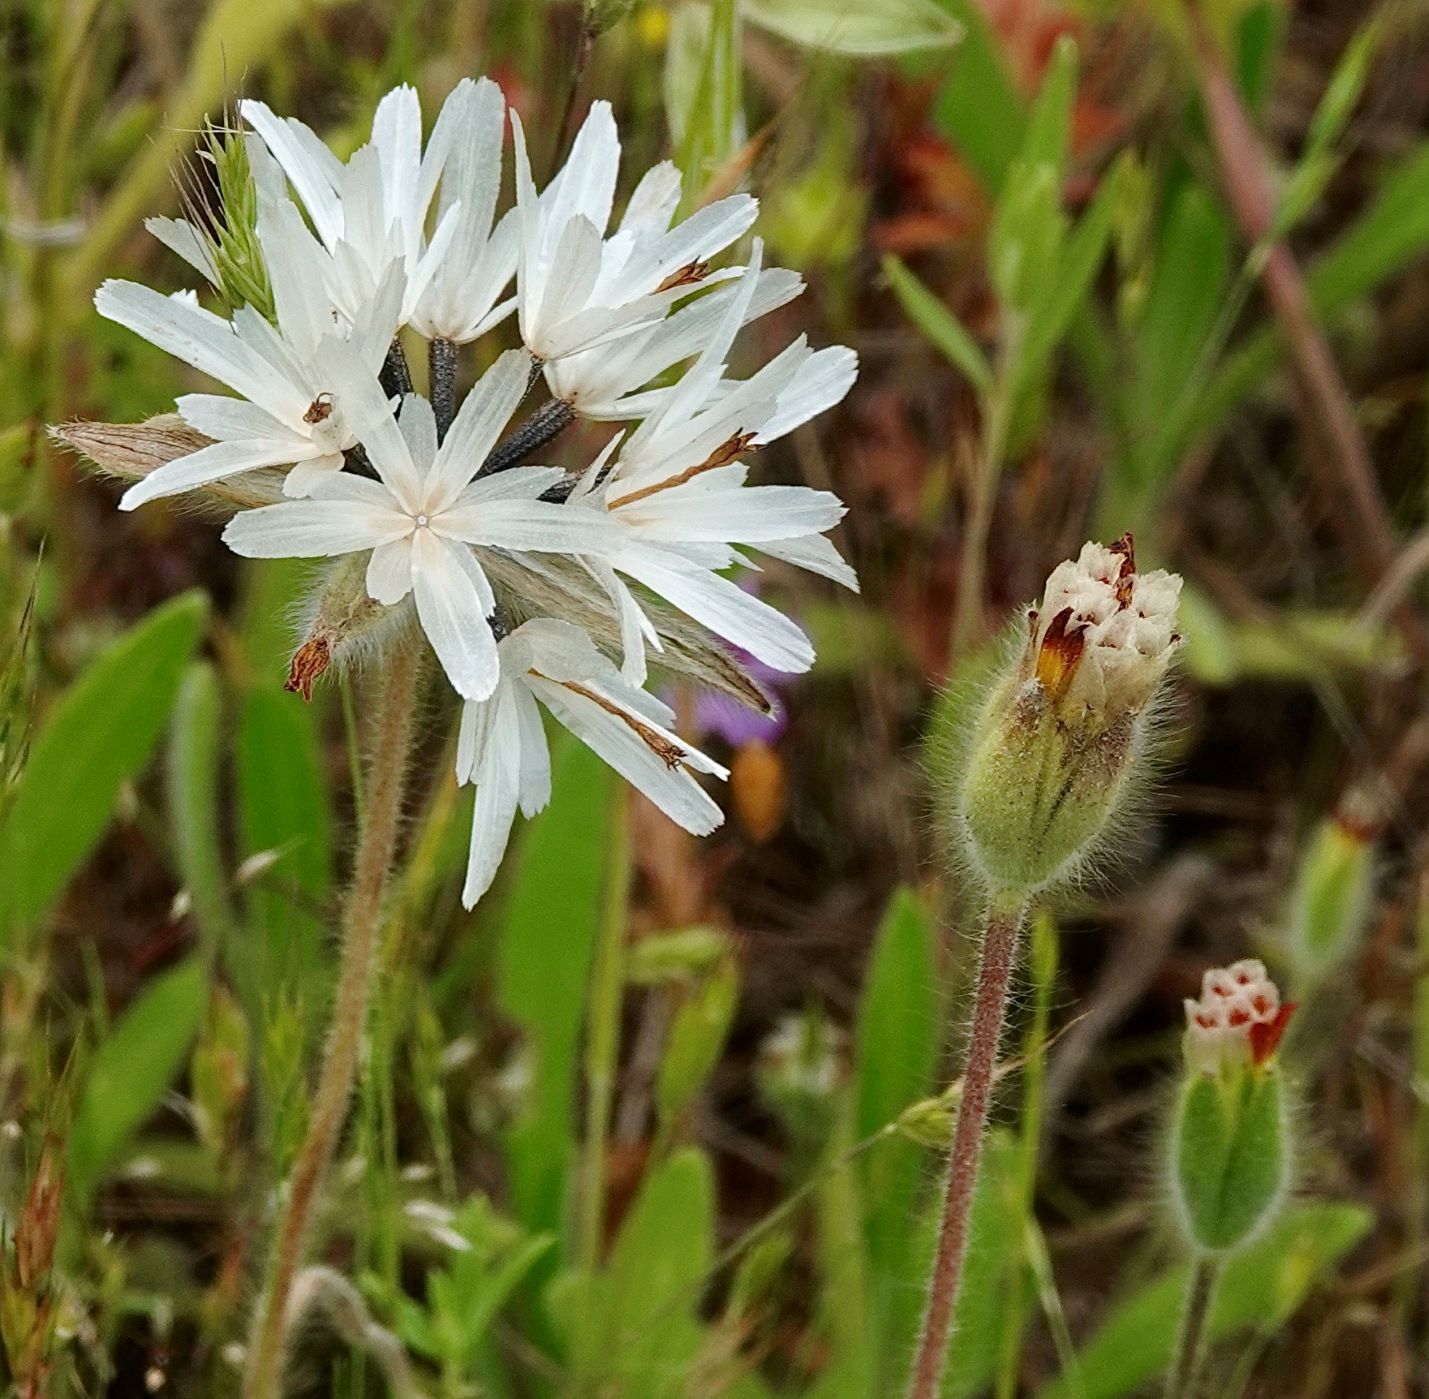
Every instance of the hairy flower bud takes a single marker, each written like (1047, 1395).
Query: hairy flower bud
(1064, 725)
(1230, 1148)
(1333, 892)
(345, 626)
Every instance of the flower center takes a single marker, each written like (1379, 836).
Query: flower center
(423, 521)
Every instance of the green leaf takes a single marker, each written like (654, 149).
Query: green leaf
(860, 28)
(937, 321)
(132, 1070)
(98, 736)
(1331, 899)
(979, 108)
(1261, 1288)
(1049, 121)
(898, 1035)
(703, 98)
(548, 932)
(193, 787)
(283, 807)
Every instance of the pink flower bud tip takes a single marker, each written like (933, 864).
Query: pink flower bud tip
(1238, 1020)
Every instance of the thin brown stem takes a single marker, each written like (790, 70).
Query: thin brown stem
(1191, 1339)
(999, 953)
(1344, 471)
(387, 771)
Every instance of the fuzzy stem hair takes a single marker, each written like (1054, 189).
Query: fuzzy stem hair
(387, 772)
(1185, 1369)
(1001, 930)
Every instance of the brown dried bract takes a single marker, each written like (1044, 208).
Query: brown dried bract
(686, 276)
(1059, 653)
(1126, 547)
(310, 660)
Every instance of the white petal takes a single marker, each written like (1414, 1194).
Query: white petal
(296, 267)
(201, 339)
(482, 418)
(814, 553)
(181, 237)
(453, 617)
(234, 420)
(311, 168)
(727, 610)
(389, 571)
(214, 463)
(822, 381)
(540, 525)
(309, 529)
(515, 483)
(418, 425)
(587, 180)
(497, 776)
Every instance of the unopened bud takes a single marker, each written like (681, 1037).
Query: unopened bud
(928, 1122)
(1333, 892)
(1230, 1141)
(679, 955)
(38, 1226)
(1064, 728)
(346, 627)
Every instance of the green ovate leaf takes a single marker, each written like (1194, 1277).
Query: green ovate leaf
(696, 1039)
(860, 28)
(99, 735)
(132, 1070)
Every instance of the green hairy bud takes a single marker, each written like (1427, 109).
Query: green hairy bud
(1060, 736)
(1333, 892)
(345, 626)
(1230, 1147)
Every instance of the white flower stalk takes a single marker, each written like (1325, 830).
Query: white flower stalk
(503, 750)
(291, 412)
(1238, 1020)
(371, 210)
(578, 288)
(427, 517)
(679, 493)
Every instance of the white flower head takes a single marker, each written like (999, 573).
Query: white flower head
(578, 288)
(503, 748)
(1238, 1020)
(680, 494)
(371, 210)
(1104, 634)
(427, 516)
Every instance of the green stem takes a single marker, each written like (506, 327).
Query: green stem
(602, 1050)
(1191, 1339)
(972, 568)
(267, 1351)
(999, 953)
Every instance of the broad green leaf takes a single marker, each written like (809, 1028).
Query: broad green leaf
(548, 931)
(284, 809)
(898, 1036)
(193, 790)
(132, 1070)
(860, 28)
(1260, 1289)
(938, 323)
(97, 736)
(979, 108)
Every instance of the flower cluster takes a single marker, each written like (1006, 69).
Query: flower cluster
(1239, 1019)
(533, 585)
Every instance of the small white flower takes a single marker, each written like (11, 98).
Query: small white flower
(1237, 1021)
(503, 750)
(371, 210)
(427, 514)
(577, 288)
(290, 412)
(679, 493)
(1104, 634)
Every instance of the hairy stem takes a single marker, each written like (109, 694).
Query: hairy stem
(441, 365)
(267, 1351)
(1191, 1339)
(999, 952)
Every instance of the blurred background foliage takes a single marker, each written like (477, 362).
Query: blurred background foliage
(660, 1118)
